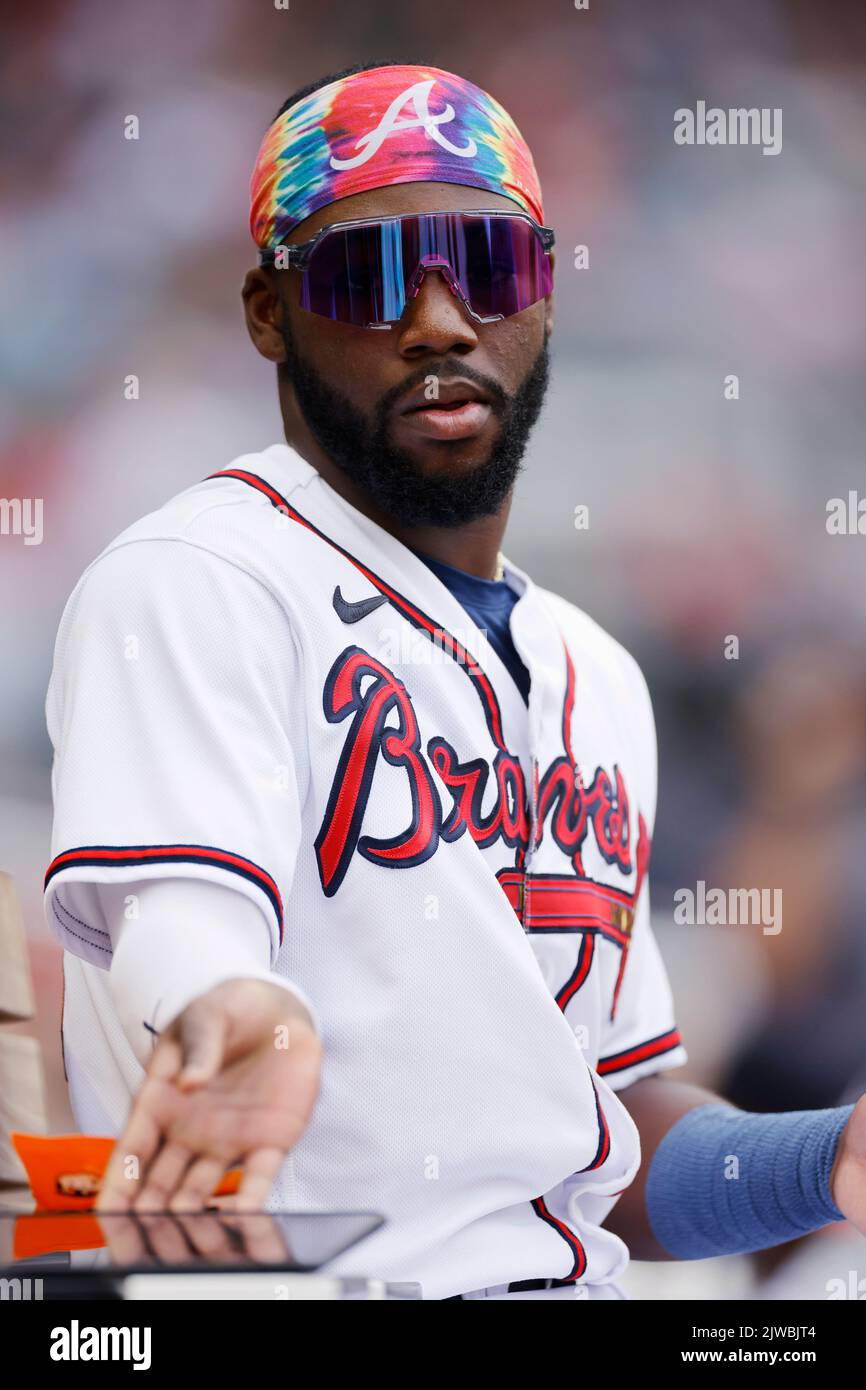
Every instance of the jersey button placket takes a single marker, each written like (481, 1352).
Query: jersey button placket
(533, 832)
(536, 700)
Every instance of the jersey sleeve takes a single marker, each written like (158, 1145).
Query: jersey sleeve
(173, 699)
(642, 1037)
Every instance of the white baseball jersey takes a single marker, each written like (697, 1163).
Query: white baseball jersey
(259, 687)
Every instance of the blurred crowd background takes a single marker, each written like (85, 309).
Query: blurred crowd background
(707, 516)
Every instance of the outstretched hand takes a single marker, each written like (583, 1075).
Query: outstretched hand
(232, 1082)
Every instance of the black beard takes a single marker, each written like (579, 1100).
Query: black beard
(389, 476)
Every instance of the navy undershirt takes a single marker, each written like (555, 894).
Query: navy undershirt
(489, 603)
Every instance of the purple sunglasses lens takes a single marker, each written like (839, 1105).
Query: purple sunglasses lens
(360, 275)
(351, 276)
(499, 263)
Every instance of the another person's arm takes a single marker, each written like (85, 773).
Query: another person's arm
(716, 1180)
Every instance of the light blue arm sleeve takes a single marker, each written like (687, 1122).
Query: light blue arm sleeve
(725, 1181)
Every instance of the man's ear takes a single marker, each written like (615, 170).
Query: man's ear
(263, 311)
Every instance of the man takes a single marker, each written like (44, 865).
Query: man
(353, 821)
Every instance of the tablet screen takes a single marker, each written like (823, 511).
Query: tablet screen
(210, 1241)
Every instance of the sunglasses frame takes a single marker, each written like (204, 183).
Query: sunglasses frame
(299, 256)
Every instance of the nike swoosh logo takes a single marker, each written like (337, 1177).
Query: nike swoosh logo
(354, 612)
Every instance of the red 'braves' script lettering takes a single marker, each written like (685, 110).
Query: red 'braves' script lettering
(363, 688)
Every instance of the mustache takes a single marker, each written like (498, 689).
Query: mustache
(499, 400)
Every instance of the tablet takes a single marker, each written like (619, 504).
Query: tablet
(71, 1251)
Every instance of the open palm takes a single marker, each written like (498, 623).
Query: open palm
(232, 1082)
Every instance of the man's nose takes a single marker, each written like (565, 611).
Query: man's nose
(435, 320)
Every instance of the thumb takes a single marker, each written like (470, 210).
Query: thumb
(201, 1031)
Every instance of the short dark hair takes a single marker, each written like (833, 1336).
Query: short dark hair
(344, 72)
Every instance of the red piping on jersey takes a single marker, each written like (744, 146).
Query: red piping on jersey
(415, 615)
(644, 847)
(653, 1047)
(603, 1149)
(568, 706)
(579, 1266)
(580, 972)
(115, 856)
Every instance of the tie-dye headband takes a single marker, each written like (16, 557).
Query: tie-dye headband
(387, 125)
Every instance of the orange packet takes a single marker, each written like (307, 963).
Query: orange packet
(65, 1171)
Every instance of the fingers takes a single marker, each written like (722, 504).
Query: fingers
(260, 1167)
(226, 1203)
(164, 1177)
(139, 1144)
(133, 1151)
(199, 1181)
(201, 1032)
(175, 1147)
(166, 1060)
